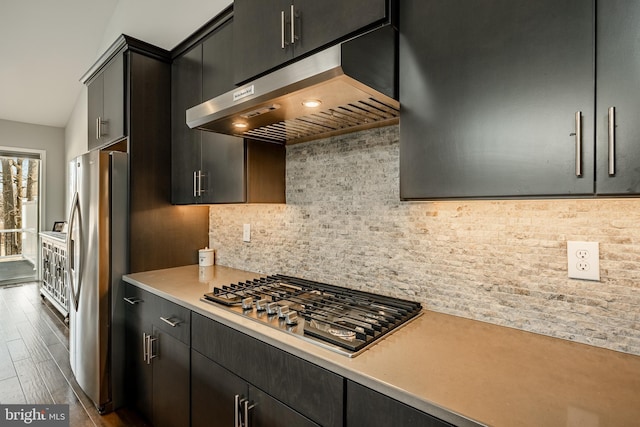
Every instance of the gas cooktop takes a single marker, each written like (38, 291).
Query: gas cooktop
(343, 320)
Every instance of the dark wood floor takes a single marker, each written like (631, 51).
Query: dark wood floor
(34, 359)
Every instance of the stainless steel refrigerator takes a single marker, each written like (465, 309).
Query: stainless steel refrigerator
(97, 258)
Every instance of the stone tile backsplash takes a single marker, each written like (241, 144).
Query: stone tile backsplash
(502, 262)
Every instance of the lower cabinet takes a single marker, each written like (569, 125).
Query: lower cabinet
(170, 380)
(184, 369)
(157, 358)
(366, 407)
(220, 398)
(246, 376)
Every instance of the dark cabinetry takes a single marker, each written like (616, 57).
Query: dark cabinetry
(498, 98)
(106, 104)
(366, 407)
(157, 357)
(268, 34)
(617, 100)
(489, 92)
(209, 167)
(276, 387)
(160, 235)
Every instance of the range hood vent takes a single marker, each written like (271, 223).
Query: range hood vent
(354, 85)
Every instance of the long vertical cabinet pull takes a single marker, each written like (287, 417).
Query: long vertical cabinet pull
(282, 42)
(578, 143)
(293, 24)
(236, 411)
(246, 407)
(147, 348)
(195, 183)
(98, 121)
(612, 141)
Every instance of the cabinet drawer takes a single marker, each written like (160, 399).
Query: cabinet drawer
(366, 407)
(138, 302)
(282, 375)
(173, 319)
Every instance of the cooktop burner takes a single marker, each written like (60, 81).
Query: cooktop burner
(341, 319)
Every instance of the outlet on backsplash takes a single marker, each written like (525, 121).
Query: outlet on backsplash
(583, 260)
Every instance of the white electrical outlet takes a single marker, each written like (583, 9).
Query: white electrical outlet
(583, 260)
(246, 233)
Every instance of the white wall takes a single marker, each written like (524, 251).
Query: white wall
(75, 135)
(51, 140)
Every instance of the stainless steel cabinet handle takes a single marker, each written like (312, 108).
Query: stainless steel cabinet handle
(145, 347)
(246, 407)
(132, 301)
(195, 184)
(293, 25)
(578, 143)
(169, 322)
(612, 141)
(98, 127)
(236, 411)
(282, 43)
(150, 355)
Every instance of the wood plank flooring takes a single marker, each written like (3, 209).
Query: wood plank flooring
(34, 360)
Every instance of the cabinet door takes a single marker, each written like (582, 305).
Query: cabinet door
(366, 407)
(489, 92)
(258, 37)
(106, 104)
(95, 104)
(618, 73)
(269, 412)
(320, 23)
(213, 391)
(139, 385)
(170, 381)
(186, 91)
(307, 388)
(223, 169)
(114, 96)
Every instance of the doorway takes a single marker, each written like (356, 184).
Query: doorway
(19, 216)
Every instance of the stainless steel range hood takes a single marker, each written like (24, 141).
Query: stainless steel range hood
(355, 83)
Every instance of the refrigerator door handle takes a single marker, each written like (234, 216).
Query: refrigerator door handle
(72, 268)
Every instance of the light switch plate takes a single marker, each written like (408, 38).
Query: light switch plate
(583, 260)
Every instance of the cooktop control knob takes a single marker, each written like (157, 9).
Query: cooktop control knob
(283, 310)
(261, 304)
(247, 303)
(291, 318)
(272, 308)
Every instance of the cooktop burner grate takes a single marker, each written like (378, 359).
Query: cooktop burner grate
(342, 319)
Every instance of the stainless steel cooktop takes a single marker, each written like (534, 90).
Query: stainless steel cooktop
(343, 320)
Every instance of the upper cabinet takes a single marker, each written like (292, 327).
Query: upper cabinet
(617, 100)
(106, 104)
(498, 98)
(490, 91)
(208, 167)
(134, 78)
(268, 34)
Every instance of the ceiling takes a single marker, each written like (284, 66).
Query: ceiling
(46, 46)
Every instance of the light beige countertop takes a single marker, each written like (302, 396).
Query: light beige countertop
(453, 368)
